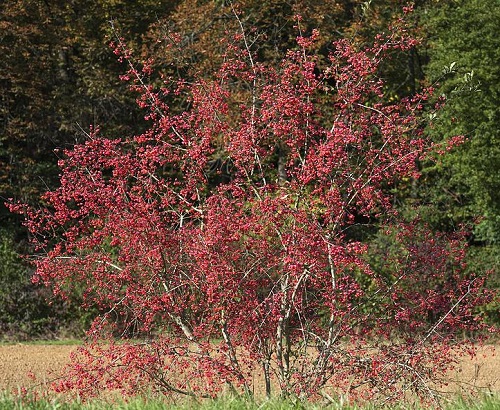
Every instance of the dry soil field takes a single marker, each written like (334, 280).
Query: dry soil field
(17, 361)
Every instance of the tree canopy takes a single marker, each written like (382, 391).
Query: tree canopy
(289, 154)
(233, 235)
(464, 46)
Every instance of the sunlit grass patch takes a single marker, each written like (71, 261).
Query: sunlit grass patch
(9, 401)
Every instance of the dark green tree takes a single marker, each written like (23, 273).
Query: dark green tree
(464, 50)
(58, 76)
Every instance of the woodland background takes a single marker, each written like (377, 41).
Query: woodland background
(58, 76)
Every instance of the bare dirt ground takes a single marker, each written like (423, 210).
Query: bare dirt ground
(482, 371)
(19, 361)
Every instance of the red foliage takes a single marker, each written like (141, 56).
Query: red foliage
(222, 236)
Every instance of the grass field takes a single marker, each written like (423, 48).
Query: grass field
(228, 403)
(20, 362)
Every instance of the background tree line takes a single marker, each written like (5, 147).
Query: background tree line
(58, 77)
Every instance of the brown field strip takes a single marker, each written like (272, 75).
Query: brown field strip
(46, 362)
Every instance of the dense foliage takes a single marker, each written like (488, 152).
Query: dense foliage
(226, 236)
(463, 187)
(464, 46)
(288, 190)
(57, 77)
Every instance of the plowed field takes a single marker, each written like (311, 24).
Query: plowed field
(46, 362)
(18, 362)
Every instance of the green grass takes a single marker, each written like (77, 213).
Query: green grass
(228, 403)
(490, 402)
